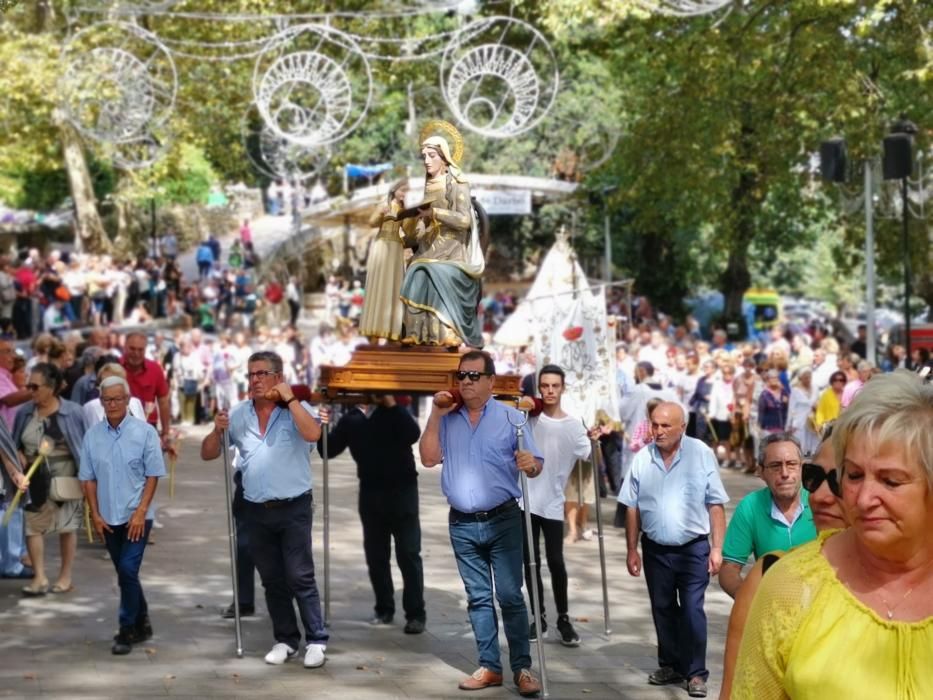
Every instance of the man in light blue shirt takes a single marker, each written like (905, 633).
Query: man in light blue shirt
(675, 498)
(120, 466)
(273, 433)
(476, 441)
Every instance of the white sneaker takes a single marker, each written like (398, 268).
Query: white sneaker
(280, 653)
(314, 655)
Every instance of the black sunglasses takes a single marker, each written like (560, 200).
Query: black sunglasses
(473, 376)
(34, 387)
(814, 475)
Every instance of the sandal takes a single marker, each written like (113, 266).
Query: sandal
(59, 589)
(33, 591)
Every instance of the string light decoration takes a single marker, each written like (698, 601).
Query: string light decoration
(306, 85)
(683, 8)
(278, 158)
(499, 77)
(118, 82)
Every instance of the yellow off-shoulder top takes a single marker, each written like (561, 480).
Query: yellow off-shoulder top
(808, 637)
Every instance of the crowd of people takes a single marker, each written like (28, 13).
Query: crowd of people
(688, 409)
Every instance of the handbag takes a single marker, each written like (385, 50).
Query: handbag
(65, 488)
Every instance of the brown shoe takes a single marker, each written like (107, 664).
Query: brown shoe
(481, 678)
(528, 686)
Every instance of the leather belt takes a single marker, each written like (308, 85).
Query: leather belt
(281, 502)
(483, 515)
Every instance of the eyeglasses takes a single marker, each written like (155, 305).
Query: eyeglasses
(814, 475)
(114, 400)
(261, 374)
(34, 387)
(473, 376)
(790, 465)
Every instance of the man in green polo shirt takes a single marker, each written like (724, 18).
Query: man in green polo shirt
(772, 518)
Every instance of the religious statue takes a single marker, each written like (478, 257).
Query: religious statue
(385, 268)
(441, 288)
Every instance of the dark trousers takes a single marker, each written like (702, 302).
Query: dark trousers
(677, 578)
(280, 542)
(293, 309)
(554, 551)
(127, 557)
(245, 567)
(388, 515)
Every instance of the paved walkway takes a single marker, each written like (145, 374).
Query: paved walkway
(59, 646)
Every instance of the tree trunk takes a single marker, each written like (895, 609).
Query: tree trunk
(89, 230)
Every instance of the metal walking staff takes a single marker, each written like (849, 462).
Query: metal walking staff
(529, 543)
(596, 452)
(326, 463)
(231, 532)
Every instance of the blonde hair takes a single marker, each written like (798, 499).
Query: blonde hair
(111, 369)
(891, 409)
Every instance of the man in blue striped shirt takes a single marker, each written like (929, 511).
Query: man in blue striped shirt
(477, 443)
(121, 463)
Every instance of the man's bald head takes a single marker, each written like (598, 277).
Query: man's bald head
(668, 423)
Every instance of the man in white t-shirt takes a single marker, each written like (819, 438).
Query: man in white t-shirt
(562, 440)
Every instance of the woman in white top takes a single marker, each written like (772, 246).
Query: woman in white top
(802, 397)
(94, 409)
(721, 408)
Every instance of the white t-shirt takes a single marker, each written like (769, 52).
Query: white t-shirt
(562, 442)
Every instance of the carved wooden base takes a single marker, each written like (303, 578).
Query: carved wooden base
(394, 369)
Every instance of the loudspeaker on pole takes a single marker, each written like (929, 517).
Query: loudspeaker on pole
(834, 160)
(897, 161)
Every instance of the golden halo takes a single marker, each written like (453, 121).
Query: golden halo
(439, 127)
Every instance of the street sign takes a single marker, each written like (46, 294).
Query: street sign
(500, 202)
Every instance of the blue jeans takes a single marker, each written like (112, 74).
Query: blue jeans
(127, 557)
(11, 544)
(485, 549)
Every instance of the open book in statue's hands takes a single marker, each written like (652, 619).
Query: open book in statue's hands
(412, 212)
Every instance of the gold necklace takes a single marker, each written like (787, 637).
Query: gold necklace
(887, 607)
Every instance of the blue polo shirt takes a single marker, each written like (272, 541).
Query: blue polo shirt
(275, 465)
(673, 503)
(758, 527)
(120, 460)
(479, 470)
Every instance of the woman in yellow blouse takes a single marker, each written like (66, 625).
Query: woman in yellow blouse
(851, 615)
(829, 405)
(819, 479)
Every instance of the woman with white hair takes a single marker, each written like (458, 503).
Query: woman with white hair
(851, 614)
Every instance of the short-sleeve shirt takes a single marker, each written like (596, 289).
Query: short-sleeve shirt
(7, 386)
(479, 470)
(275, 465)
(147, 384)
(756, 529)
(120, 460)
(673, 503)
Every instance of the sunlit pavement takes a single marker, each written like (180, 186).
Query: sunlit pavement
(59, 646)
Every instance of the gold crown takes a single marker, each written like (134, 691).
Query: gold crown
(446, 130)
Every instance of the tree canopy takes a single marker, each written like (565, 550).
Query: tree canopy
(707, 126)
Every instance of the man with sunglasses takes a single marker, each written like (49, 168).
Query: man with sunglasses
(273, 440)
(476, 441)
(774, 518)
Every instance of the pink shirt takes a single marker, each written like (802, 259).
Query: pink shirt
(850, 391)
(7, 386)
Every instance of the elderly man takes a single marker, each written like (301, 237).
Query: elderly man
(478, 446)
(121, 463)
(675, 498)
(772, 518)
(148, 384)
(273, 439)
